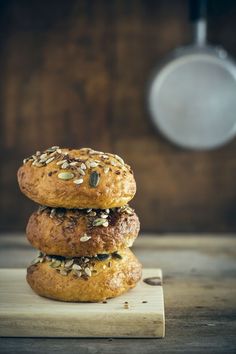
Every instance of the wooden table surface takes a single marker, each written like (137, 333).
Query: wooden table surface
(200, 297)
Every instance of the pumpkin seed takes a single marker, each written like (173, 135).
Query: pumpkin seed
(103, 256)
(65, 175)
(55, 264)
(116, 255)
(94, 179)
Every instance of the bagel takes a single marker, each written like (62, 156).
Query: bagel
(84, 279)
(86, 232)
(69, 178)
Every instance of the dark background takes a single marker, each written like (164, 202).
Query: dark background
(74, 73)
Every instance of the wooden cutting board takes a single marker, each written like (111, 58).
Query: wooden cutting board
(25, 314)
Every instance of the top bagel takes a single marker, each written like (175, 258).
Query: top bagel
(83, 178)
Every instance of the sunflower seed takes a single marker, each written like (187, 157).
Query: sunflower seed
(88, 271)
(61, 162)
(103, 216)
(92, 213)
(74, 163)
(69, 263)
(81, 171)
(64, 165)
(53, 148)
(55, 264)
(85, 238)
(65, 175)
(106, 169)
(76, 267)
(88, 210)
(86, 260)
(36, 260)
(78, 181)
(50, 160)
(107, 211)
(105, 156)
(93, 164)
(63, 272)
(113, 163)
(43, 156)
(83, 166)
(38, 164)
(58, 151)
(105, 224)
(52, 213)
(94, 179)
(120, 159)
(27, 159)
(42, 208)
(78, 273)
(99, 222)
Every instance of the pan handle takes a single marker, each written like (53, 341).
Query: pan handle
(198, 15)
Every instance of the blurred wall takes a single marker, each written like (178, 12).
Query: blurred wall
(74, 73)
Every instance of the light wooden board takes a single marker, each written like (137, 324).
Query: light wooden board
(25, 314)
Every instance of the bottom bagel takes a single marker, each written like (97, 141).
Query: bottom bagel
(84, 279)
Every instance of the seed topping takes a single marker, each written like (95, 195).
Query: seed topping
(94, 179)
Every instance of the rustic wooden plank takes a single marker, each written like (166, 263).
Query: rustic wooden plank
(199, 290)
(25, 314)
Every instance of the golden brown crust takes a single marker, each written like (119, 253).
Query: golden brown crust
(71, 233)
(103, 180)
(107, 282)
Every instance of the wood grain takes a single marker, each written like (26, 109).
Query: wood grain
(200, 298)
(75, 73)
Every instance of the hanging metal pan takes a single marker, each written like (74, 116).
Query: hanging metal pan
(192, 97)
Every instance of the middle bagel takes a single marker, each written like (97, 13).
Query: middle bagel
(82, 232)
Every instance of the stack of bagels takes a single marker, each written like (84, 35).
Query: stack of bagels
(83, 227)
